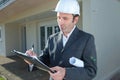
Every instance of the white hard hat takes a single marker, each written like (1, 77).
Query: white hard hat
(68, 6)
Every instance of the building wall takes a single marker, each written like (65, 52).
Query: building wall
(31, 36)
(2, 41)
(11, 31)
(11, 23)
(12, 38)
(102, 19)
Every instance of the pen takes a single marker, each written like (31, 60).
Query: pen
(31, 65)
(32, 47)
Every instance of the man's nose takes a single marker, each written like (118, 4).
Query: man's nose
(61, 21)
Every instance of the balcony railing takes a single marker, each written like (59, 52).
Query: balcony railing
(4, 3)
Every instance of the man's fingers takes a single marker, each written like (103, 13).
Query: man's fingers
(27, 62)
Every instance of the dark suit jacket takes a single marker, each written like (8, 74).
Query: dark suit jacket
(80, 45)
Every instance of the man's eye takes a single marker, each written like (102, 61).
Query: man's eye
(65, 18)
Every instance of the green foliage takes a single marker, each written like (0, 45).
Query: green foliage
(1, 78)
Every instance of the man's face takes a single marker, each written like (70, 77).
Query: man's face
(66, 22)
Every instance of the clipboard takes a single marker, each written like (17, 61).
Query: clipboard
(34, 60)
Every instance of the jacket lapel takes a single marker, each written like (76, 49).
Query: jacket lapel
(73, 37)
(59, 42)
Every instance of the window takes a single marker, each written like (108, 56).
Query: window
(49, 31)
(42, 38)
(57, 29)
(45, 32)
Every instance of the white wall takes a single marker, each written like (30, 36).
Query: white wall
(12, 38)
(102, 19)
(2, 41)
(31, 36)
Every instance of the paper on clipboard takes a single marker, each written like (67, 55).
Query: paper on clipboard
(34, 60)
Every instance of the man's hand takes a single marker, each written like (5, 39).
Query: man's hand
(59, 74)
(30, 53)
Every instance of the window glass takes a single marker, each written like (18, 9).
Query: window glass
(49, 31)
(42, 38)
(57, 29)
(45, 32)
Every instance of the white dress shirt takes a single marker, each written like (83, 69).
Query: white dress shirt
(65, 39)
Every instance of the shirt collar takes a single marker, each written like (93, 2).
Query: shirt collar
(68, 35)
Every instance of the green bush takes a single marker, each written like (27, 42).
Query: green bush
(2, 78)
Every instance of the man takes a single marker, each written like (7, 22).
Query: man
(69, 42)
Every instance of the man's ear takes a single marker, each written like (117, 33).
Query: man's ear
(76, 19)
